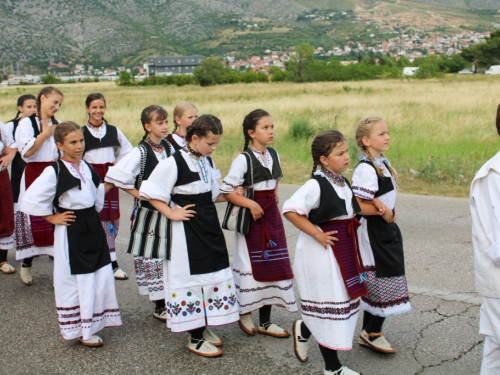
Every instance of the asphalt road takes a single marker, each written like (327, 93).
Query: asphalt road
(439, 336)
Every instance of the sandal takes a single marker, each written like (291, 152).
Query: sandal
(6, 268)
(204, 348)
(273, 330)
(380, 344)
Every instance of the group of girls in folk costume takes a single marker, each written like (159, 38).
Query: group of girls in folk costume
(68, 194)
(8, 150)
(380, 240)
(200, 287)
(328, 267)
(105, 144)
(261, 263)
(35, 141)
(149, 233)
(184, 115)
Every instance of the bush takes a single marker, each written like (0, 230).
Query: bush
(50, 79)
(300, 129)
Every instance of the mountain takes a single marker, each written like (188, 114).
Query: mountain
(128, 31)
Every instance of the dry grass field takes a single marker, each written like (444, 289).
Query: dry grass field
(442, 130)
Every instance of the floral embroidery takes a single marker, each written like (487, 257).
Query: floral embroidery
(176, 309)
(189, 294)
(190, 308)
(232, 299)
(218, 303)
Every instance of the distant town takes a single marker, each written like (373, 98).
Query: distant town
(409, 45)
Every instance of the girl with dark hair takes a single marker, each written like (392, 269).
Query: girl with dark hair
(380, 240)
(34, 137)
(149, 233)
(261, 263)
(200, 286)
(105, 145)
(8, 150)
(184, 115)
(26, 106)
(69, 194)
(328, 267)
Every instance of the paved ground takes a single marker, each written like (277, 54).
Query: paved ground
(438, 337)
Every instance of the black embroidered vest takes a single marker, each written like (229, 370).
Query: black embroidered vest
(330, 204)
(110, 139)
(384, 182)
(184, 174)
(261, 173)
(66, 181)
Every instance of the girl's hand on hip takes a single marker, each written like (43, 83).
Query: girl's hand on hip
(326, 238)
(182, 214)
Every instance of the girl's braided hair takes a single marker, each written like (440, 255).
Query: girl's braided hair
(95, 96)
(150, 113)
(46, 91)
(323, 144)
(20, 102)
(250, 122)
(365, 129)
(204, 125)
(179, 110)
(62, 130)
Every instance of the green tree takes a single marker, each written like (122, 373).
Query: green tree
(125, 79)
(210, 72)
(276, 74)
(484, 54)
(299, 65)
(50, 79)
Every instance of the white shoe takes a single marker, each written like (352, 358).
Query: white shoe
(26, 276)
(212, 338)
(246, 324)
(7, 268)
(120, 274)
(160, 315)
(380, 344)
(299, 342)
(273, 330)
(204, 348)
(343, 371)
(94, 341)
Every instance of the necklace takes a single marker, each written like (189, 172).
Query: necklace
(191, 151)
(337, 180)
(183, 137)
(95, 126)
(200, 168)
(159, 148)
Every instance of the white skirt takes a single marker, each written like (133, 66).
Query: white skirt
(253, 294)
(195, 301)
(327, 309)
(85, 303)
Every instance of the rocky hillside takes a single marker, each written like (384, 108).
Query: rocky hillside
(41, 30)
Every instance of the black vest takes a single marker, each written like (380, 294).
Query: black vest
(66, 181)
(330, 204)
(34, 124)
(384, 182)
(110, 139)
(15, 122)
(174, 144)
(184, 174)
(261, 173)
(150, 164)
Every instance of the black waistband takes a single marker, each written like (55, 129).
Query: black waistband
(81, 212)
(197, 199)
